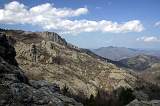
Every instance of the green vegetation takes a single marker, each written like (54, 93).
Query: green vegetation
(119, 97)
(125, 96)
(65, 90)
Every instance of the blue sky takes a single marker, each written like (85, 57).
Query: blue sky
(127, 23)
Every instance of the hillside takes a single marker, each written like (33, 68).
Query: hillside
(153, 73)
(149, 66)
(56, 60)
(118, 53)
(140, 62)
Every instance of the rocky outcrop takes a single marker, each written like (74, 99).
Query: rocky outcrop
(52, 36)
(24, 36)
(17, 90)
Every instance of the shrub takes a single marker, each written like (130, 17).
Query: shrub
(125, 96)
(65, 90)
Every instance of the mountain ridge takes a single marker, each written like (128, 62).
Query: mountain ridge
(147, 66)
(118, 53)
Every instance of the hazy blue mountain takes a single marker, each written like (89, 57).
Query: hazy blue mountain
(118, 53)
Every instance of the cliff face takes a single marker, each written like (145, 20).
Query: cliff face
(7, 52)
(17, 90)
(43, 57)
(36, 37)
(51, 36)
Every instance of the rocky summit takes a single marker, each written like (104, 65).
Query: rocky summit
(17, 90)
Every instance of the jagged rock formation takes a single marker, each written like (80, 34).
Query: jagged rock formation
(17, 90)
(51, 36)
(36, 37)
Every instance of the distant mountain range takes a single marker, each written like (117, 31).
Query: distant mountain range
(119, 53)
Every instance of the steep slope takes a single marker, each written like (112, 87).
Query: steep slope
(64, 64)
(118, 53)
(17, 90)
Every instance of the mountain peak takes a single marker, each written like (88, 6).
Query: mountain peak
(34, 37)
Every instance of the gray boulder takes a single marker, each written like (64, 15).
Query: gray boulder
(144, 103)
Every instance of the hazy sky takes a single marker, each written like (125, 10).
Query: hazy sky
(88, 23)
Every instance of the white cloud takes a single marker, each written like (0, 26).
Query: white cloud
(49, 17)
(148, 39)
(157, 24)
(49, 10)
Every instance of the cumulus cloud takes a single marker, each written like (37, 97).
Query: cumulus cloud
(148, 39)
(49, 17)
(157, 24)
